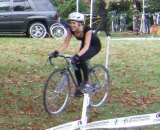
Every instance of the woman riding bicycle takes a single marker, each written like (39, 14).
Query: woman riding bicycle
(90, 46)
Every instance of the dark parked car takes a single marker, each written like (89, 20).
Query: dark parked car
(33, 17)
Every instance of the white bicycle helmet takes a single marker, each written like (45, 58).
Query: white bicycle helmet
(76, 16)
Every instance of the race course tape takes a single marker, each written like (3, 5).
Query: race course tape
(68, 126)
(134, 39)
(124, 122)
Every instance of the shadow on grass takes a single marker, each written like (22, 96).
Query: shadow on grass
(13, 36)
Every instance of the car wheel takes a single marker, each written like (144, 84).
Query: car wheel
(37, 30)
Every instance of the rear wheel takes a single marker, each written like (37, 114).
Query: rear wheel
(37, 30)
(99, 79)
(56, 92)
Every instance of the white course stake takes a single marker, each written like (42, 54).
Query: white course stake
(84, 117)
(78, 123)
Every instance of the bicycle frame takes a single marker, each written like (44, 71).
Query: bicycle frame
(68, 67)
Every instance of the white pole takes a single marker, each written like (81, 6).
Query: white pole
(77, 5)
(86, 102)
(143, 29)
(91, 13)
(143, 18)
(107, 53)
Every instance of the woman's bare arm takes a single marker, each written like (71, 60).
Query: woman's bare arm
(65, 44)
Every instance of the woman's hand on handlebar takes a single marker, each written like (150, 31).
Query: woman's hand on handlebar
(53, 55)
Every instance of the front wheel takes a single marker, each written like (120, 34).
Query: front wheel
(56, 92)
(99, 79)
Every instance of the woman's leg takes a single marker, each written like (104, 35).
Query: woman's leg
(88, 55)
(100, 26)
(78, 74)
(84, 67)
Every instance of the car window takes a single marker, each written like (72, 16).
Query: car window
(44, 5)
(27, 5)
(21, 5)
(4, 5)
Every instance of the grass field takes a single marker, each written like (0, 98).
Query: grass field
(135, 82)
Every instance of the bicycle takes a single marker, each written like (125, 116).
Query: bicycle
(115, 25)
(57, 88)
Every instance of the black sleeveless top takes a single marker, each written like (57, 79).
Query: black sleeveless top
(94, 39)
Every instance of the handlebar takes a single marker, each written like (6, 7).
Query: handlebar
(68, 58)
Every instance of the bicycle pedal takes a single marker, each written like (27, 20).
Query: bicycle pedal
(92, 89)
(87, 90)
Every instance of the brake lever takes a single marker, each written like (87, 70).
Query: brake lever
(50, 61)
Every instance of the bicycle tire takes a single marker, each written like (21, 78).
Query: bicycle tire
(56, 92)
(99, 75)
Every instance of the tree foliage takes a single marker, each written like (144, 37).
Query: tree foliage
(153, 6)
(67, 6)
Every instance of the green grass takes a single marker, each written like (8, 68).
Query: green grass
(134, 70)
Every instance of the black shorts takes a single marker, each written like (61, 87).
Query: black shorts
(91, 52)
